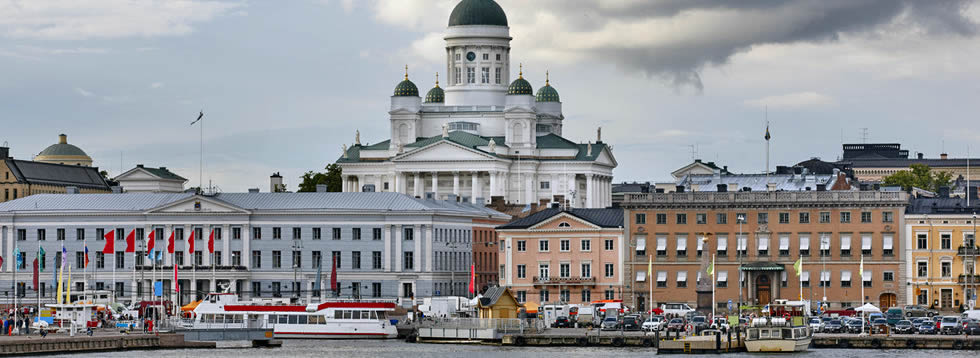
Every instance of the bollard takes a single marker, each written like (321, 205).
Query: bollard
(718, 341)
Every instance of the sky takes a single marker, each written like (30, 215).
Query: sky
(284, 84)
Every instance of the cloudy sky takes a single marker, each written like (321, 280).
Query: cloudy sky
(285, 83)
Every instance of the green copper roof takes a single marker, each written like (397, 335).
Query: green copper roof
(435, 95)
(547, 94)
(478, 12)
(61, 149)
(520, 86)
(406, 89)
(549, 141)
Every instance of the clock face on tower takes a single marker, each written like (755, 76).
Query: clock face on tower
(470, 56)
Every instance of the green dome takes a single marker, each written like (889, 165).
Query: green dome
(478, 12)
(406, 89)
(62, 149)
(435, 95)
(520, 86)
(547, 94)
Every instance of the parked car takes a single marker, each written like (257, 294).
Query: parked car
(893, 315)
(700, 323)
(833, 326)
(878, 325)
(676, 309)
(816, 324)
(721, 324)
(971, 327)
(630, 323)
(919, 311)
(971, 314)
(609, 324)
(950, 325)
(904, 327)
(675, 325)
(926, 327)
(853, 326)
(653, 324)
(562, 322)
(874, 316)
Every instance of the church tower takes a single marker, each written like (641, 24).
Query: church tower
(477, 54)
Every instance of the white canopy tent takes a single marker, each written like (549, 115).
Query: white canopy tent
(868, 308)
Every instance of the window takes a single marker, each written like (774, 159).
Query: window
(521, 271)
(256, 259)
(470, 75)
(355, 260)
(722, 279)
(681, 219)
(236, 258)
(945, 241)
(61, 234)
(99, 234)
(701, 218)
(887, 217)
(79, 259)
(256, 233)
(586, 270)
(610, 294)
(661, 219)
(721, 218)
(99, 260)
(297, 233)
(784, 245)
(641, 219)
(946, 269)
(521, 296)
(544, 271)
(922, 241)
(276, 233)
(485, 75)
(545, 185)
(845, 217)
(120, 260)
(586, 295)
(336, 258)
(784, 218)
(179, 256)
(609, 270)
(376, 260)
(740, 218)
(922, 269)
(762, 243)
(888, 276)
(865, 216)
(409, 234)
(41, 235)
(459, 73)
(297, 259)
(804, 244)
(543, 245)
(565, 245)
(409, 260)
(564, 270)
(722, 248)
(486, 57)
(783, 279)
(407, 290)
(317, 233)
(521, 246)
(661, 279)
(498, 57)
(375, 290)
(661, 246)
(543, 294)
(681, 246)
(376, 233)
(866, 244)
(458, 56)
(609, 245)
(198, 258)
(681, 279)
(497, 77)
(824, 278)
(845, 244)
(741, 245)
(355, 233)
(804, 218)
(236, 233)
(586, 245)
(21, 234)
(277, 259)
(763, 218)
(824, 244)
(866, 277)
(805, 279)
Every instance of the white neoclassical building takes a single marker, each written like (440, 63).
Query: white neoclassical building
(478, 137)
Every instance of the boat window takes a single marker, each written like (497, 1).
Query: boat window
(356, 315)
(788, 333)
(775, 333)
(271, 318)
(753, 334)
(302, 319)
(293, 319)
(365, 314)
(382, 315)
(283, 319)
(338, 314)
(347, 314)
(763, 333)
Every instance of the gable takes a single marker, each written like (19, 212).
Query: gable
(444, 151)
(605, 157)
(136, 174)
(198, 204)
(693, 168)
(564, 222)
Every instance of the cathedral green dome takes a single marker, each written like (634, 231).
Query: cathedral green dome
(520, 86)
(406, 88)
(478, 12)
(435, 95)
(547, 93)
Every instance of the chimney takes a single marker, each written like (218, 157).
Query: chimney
(62, 139)
(139, 165)
(722, 188)
(275, 182)
(680, 188)
(4, 153)
(920, 155)
(253, 190)
(821, 187)
(117, 189)
(71, 190)
(944, 156)
(943, 192)
(321, 188)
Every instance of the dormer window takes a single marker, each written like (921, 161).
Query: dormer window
(564, 225)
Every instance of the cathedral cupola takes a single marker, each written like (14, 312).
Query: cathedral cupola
(520, 86)
(436, 94)
(547, 93)
(406, 88)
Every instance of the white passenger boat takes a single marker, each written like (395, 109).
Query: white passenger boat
(337, 319)
(781, 328)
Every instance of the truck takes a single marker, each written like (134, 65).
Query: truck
(444, 307)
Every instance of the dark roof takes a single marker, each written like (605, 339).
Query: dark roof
(632, 188)
(478, 12)
(59, 149)
(761, 266)
(435, 95)
(56, 174)
(607, 218)
(406, 89)
(942, 206)
(547, 94)
(520, 86)
(817, 166)
(164, 173)
(492, 295)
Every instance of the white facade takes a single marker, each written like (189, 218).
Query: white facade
(484, 139)
(150, 180)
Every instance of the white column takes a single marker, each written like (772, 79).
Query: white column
(399, 231)
(589, 189)
(386, 251)
(428, 248)
(571, 186)
(345, 186)
(8, 249)
(435, 185)
(456, 183)
(225, 245)
(418, 248)
(476, 184)
(493, 183)
(247, 248)
(529, 191)
(206, 257)
(416, 191)
(397, 182)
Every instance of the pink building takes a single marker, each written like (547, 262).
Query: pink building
(569, 256)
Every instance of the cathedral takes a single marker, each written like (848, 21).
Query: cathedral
(479, 136)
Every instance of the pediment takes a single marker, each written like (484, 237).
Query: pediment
(198, 204)
(605, 157)
(443, 151)
(564, 222)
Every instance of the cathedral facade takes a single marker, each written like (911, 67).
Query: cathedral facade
(479, 135)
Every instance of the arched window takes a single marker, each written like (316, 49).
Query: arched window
(403, 135)
(564, 224)
(518, 133)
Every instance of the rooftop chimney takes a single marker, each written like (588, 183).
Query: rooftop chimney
(321, 188)
(821, 187)
(944, 156)
(62, 139)
(253, 190)
(943, 192)
(4, 152)
(680, 188)
(275, 182)
(117, 190)
(722, 188)
(139, 165)
(920, 155)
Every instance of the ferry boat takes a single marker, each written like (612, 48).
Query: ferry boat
(331, 319)
(781, 328)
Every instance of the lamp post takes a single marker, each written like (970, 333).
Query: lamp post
(825, 241)
(452, 268)
(297, 245)
(973, 261)
(740, 218)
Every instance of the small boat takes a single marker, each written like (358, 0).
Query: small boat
(783, 327)
(331, 319)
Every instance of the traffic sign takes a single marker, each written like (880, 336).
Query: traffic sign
(729, 305)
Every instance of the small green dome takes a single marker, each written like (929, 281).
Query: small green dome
(547, 94)
(478, 12)
(435, 95)
(520, 86)
(406, 89)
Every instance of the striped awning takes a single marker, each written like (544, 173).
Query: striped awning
(762, 266)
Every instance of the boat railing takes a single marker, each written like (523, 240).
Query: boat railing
(501, 325)
(194, 324)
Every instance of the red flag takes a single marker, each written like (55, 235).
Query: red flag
(110, 243)
(131, 241)
(333, 275)
(211, 242)
(176, 285)
(472, 279)
(36, 273)
(170, 243)
(150, 242)
(86, 255)
(190, 244)
(1, 261)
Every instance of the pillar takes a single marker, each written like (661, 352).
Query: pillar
(386, 251)
(345, 187)
(246, 249)
(225, 245)
(529, 191)
(475, 189)
(399, 231)
(416, 189)
(456, 183)
(435, 185)
(493, 183)
(554, 181)
(589, 191)
(570, 187)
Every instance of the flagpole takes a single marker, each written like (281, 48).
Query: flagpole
(713, 302)
(36, 287)
(16, 267)
(650, 277)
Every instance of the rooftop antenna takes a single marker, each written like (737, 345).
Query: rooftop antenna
(694, 152)
(865, 133)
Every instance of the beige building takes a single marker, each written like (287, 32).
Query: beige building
(64, 153)
(942, 252)
(20, 178)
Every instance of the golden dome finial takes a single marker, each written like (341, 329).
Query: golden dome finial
(520, 73)
(406, 72)
(437, 79)
(547, 78)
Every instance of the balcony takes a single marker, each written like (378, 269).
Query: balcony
(975, 279)
(556, 281)
(968, 251)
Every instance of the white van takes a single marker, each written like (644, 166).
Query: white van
(676, 309)
(971, 314)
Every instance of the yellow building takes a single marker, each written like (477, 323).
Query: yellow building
(20, 178)
(941, 259)
(64, 153)
(498, 302)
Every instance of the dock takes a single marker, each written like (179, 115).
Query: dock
(35, 345)
(904, 341)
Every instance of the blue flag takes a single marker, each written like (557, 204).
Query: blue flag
(159, 256)
(20, 258)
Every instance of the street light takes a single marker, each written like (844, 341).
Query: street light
(452, 268)
(297, 246)
(825, 241)
(740, 218)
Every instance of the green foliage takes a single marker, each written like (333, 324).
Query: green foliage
(919, 176)
(332, 178)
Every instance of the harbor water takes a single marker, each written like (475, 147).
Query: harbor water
(398, 348)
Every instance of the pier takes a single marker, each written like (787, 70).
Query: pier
(35, 345)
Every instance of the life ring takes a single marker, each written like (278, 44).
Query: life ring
(910, 343)
(648, 343)
(617, 342)
(690, 327)
(843, 343)
(518, 341)
(957, 344)
(875, 343)
(786, 316)
(582, 342)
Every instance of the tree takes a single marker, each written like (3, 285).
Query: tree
(919, 176)
(332, 178)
